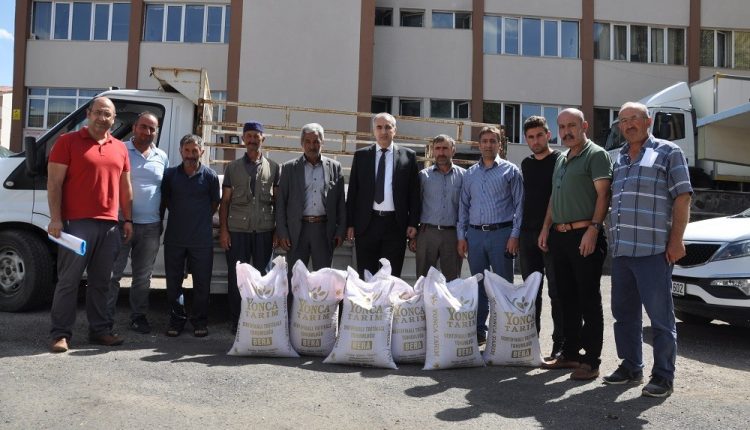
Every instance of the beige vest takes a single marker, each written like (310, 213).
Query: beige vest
(251, 211)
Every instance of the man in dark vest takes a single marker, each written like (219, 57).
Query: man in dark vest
(246, 216)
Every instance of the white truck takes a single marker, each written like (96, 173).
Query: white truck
(710, 121)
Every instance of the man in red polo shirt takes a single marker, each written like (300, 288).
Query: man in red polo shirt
(88, 181)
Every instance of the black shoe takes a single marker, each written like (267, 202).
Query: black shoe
(200, 330)
(177, 320)
(106, 339)
(624, 376)
(657, 387)
(140, 324)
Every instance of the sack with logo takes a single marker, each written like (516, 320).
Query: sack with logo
(263, 328)
(451, 313)
(512, 339)
(409, 327)
(365, 329)
(315, 310)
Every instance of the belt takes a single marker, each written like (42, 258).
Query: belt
(439, 227)
(383, 213)
(314, 219)
(575, 225)
(492, 227)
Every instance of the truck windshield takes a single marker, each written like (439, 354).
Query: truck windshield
(5, 152)
(615, 139)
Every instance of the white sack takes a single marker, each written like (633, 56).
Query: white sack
(263, 328)
(451, 311)
(365, 331)
(512, 339)
(314, 319)
(409, 327)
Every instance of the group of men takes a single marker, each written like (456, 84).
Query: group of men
(550, 213)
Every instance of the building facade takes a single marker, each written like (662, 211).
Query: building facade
(6, 100)
(495, 61)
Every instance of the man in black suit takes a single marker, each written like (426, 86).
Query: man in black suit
(382, 203)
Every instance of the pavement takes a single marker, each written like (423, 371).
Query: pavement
(157, 382)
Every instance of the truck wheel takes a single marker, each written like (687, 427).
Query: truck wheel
(691, 319)
(26, 271)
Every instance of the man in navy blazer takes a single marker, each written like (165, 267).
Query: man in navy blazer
(382, 203)
(310, 207)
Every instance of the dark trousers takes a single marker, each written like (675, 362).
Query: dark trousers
(200, 263)
(533, 260)
(435, 245)
(382, 239)
(578, 282)
(252, 248)
(312, 243)
(102, 243)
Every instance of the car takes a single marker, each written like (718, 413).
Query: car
(712, 282)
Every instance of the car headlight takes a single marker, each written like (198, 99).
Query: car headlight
(733, 250)
(741, 284)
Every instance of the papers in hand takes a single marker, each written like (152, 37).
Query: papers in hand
(71, 242)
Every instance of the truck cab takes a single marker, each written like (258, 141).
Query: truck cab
(27, 257)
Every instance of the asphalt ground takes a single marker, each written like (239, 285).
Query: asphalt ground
(157, 382)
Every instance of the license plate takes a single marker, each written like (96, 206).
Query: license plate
(678, 288)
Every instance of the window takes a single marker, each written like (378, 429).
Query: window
(510, 31)
(492, 35)
(551, 38)
(380, 104)
(42, 20)
(62, 20)
(669, 126)
(412, 18)
(640, 43)
(512, 116)
(80, 20)
(569, 39)
(411, 107)
(47, 106)
(742, 50)
(461, 20)
(219, 111)
(532, 41)
(453, 109)
(191, 23)
(384, 16)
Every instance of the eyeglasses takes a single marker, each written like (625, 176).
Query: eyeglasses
(633, 118)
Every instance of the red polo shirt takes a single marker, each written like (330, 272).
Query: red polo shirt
(92, 182)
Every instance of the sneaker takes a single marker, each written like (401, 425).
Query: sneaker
(200, 330)
(584, 372)
(106, 339)
(624, 376)
(657, 387)
(175, 328)
(561, 363)
(140, 324)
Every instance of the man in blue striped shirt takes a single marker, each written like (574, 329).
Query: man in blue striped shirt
(489, 217)
(649, 212)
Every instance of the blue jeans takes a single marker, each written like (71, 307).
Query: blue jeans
(487, 251)
(646, 281)
(142, 249)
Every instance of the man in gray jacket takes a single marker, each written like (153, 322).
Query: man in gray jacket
(310, 206)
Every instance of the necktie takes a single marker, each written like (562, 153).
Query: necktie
(380, 178)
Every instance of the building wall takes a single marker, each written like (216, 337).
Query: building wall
(68, 64)
(733, 14)
(212, 57)
(662, 13)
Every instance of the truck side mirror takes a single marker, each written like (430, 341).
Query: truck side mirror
(34, 160)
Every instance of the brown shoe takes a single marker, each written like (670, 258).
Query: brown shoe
(59, 345)
(106, 339)
(560, 363)
(584, 373)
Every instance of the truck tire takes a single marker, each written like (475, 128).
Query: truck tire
(691, 319)
(26, 271)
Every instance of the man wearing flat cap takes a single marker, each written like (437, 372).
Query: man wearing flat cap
(246, 215)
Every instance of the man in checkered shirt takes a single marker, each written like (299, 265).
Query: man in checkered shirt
(650, 208)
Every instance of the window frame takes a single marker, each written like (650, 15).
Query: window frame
(225, 12)
(455, 106)
(410, 11)
(33, 94)
(384, 13)
(69, 26)
(503, 29)
(649, 31)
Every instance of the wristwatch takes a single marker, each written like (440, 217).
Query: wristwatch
(128, 220)
(597, 225)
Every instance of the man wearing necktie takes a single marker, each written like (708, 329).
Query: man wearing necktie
(382, 202)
